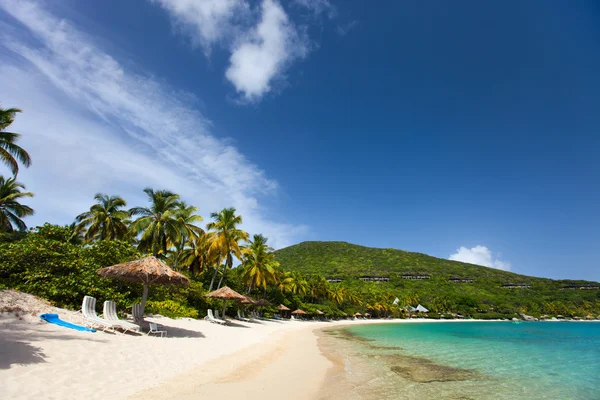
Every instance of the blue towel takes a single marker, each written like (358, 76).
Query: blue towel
(53, 319)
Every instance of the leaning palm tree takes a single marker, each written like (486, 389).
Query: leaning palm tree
(106, 220)
(158, 224)
(226, 240)
(10, 152)
(187, 218)
(196, 256)
(11, 210)
(259, 264)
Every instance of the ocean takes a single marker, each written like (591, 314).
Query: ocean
(464, 360)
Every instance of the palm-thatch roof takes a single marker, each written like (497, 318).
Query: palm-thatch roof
(148, 270)
(320, 312)
(299, 311)
(281, 307)
(358, 314)
(248, 300)
(262, 303)
(226, 293)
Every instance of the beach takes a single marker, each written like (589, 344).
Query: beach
(263, 359)
(197, 359)
(40, 360)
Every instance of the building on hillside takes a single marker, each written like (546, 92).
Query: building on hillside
(460, 280)
(334, 280)
(415, 276)
(580, 287)
(370, 278)
(516, 286)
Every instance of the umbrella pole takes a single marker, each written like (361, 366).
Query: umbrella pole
(144, 298)
(224, 306)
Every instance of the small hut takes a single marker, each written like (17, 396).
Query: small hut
(420, 308)
(226, 293)
(283, 311)
(358, 315)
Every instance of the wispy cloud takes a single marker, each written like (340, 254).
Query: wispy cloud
(92, 125)
(263, 42)
(479, 255)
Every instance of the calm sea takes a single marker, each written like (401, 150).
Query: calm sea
(472, 360)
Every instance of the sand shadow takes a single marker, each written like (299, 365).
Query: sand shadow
(231, 323)
(16, 346)
(176, 332)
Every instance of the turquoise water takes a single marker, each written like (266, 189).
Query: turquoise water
(533, 360)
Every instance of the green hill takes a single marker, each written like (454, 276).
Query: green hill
(349, 262)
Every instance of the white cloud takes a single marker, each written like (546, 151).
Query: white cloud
(264, 53)
(206, 22)
(263, 42)
(479, 255)
(91, 125)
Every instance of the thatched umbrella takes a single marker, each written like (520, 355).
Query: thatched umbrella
(299, 312)
(358, 314)
(225, 293)
(283, 310)
(147, 271)
(248, 300)
(262, 303)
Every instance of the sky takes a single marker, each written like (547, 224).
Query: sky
(464, 130)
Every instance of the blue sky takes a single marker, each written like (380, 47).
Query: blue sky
(461, 130)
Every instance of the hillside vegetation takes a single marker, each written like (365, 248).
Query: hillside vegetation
(484, 295)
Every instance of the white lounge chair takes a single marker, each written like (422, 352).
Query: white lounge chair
(211, 318)
(157, 329)
(110, 314)
(241, 317)
(88, 309)
(217, 316)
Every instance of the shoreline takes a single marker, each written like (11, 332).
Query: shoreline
(197, 359)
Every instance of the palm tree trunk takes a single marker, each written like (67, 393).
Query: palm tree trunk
(228, 265)
(222, 276)
(212, 281)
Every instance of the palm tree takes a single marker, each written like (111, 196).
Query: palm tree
(293, 282)
(187, 218)
(106, 220)
(196, 256)
(259, 264)
(337, 294)
(10, 152)
(158, 224)
(11, 210)
(226, 239)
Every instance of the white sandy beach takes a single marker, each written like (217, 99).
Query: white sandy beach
(198, 359)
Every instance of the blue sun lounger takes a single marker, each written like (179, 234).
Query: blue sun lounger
(53, 319)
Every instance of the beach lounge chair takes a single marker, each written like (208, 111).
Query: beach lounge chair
(157, 329)
(217, 316)
(211, 318)
(138, 315)
(110, 314)
(241, 317)
(88, 309)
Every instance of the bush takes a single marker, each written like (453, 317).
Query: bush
(171, 309)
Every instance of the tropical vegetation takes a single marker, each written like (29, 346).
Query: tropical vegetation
(11, 153)
(334, 279)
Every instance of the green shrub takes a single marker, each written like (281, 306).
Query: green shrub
(171, 309)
